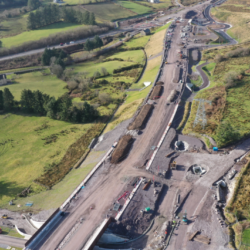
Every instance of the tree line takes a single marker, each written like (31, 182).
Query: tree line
(53, 13)
(12, 3)
(36, 102)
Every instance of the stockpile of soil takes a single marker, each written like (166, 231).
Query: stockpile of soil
(172, 95)
(156, 92)
(122, 149)
(141, 118)
(159, 83)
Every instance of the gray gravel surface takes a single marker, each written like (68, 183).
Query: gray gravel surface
(106, 140)
(43, 215)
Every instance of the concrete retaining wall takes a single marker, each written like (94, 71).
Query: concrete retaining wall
(26, 236)
(36, 224)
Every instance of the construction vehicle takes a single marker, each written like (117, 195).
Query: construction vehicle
(184, 218)
(173, 165)
(166, 62)
(4, 216)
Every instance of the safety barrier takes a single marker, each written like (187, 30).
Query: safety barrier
(97, 234)
(26, 236)
(83, 183)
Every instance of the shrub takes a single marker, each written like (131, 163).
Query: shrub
(104, 98)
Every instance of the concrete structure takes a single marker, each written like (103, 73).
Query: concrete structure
(145, 32)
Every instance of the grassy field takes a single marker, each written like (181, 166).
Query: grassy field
(246, 237)
(37, 34)
(124, 112)
(13, 26)
(164, 27)
(137, 8)
(137, 56)
(93, 66)
(24, 135)
(10, 232)
(240, 21)
(158, 38)
(137, 41)
(48, 84)
(109, 11)
(150, 73)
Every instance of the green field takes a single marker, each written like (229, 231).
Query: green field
(137, 56)
(137, 8)
(93, 66)
(246, 237)
(13, 26)
(37, 34)
(137, 41)
(48, 84)
(163, 27)
(23, 136)
(10, 232)
(109, 11)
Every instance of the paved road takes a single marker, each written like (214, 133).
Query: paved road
(12, 241)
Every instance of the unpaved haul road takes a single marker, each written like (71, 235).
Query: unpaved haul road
(103, 189)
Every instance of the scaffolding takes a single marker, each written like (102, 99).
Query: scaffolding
(200, 117)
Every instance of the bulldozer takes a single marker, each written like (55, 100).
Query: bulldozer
(4, 216)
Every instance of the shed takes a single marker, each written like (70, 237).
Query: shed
(145, 32)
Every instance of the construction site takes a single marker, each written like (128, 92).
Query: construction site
(153, 187)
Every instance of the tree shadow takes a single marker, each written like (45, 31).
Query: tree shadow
(10, 189)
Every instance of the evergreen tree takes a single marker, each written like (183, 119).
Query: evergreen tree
(86, 17)
(8, 99)
(92, 19)
(38, 19)
(51, 108)
(88, 45)
(39, 102)
(31, 21)
(1, 100)
(64, 103)
(97, 42)
(33, 4)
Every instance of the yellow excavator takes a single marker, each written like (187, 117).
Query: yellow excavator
(4, 216)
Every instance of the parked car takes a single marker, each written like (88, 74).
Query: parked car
(61, 44)
(72, 42)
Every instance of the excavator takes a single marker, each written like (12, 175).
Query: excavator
(4, 216)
